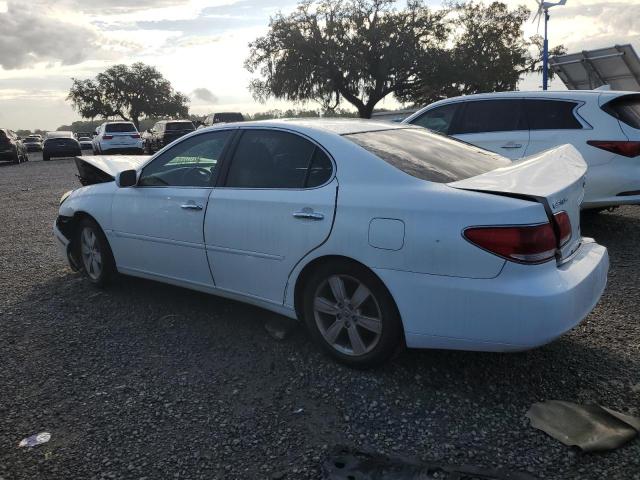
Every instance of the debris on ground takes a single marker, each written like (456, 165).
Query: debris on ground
(590, 427)
(280, 327)
(344, 463)
(35, 440)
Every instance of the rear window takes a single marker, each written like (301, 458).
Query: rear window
(227, 117)
(626, 109)
(120, 128)
(173, 126)
(31, 140)
(427, 155)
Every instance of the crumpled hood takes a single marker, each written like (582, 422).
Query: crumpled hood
(114, 164)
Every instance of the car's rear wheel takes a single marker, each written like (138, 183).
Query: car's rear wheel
(94, 253)
(351, 314)
(45, 157)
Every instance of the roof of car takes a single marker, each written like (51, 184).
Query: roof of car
(340, 126)
(565, 94)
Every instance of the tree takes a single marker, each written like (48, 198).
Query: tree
(356, 50)
(489, 53)
(364, 50)
(127, 92)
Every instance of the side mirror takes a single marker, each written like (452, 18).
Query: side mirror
(95, 132)
(128, 178)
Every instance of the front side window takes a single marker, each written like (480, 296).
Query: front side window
(483, 116)
(439, 119)
(276, 159)
(428, 156)
(191, 163)
(551, 115)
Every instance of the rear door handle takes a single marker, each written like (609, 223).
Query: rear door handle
(512, 145)
(191, 206)
(308, 214)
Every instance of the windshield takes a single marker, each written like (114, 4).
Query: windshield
(31, 140)
(173, 126)
(427, 155)
(120, 128)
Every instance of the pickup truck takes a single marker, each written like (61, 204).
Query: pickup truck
(164, 132)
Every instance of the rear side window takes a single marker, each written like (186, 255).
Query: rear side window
(484, 116)
(120, 127)
(427, 155)
(439, 119)
(551, 115)
(626, 109)
(275, 159)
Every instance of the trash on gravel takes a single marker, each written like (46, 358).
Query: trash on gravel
(299, 410)
(590, 427)
(35, 440)
(344, 463)
(280, 327)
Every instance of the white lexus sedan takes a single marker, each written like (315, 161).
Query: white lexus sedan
(375, 235)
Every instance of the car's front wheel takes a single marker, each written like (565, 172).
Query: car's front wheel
(351, 314)
(94, 253)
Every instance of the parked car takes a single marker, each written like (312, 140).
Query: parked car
(604, 126)
(117, 137)
(222, 117)
(374, 234)
(11, 147)
(33, 143)
(60, 144)
(164, 132)
(86, 143)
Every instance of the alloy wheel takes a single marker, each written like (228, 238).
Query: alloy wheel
(91, 255)
(348, 315)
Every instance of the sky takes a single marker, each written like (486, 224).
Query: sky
(200, 46)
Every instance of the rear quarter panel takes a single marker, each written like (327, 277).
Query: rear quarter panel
(434, 217)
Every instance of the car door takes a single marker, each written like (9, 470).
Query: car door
(275, 205)
(157, 225)
(553, 123)
(496, 125)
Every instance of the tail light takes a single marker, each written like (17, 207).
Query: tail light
(624, 148)
(523, 244)
(564, 227)
(137, 135)
(107, 137)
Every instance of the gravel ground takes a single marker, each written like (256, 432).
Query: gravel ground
(144, 380)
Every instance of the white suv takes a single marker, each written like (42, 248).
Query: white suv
(117, 137)
(603, 125)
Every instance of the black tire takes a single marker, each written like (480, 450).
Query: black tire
(45, 158)
(383, 345)
(101, 276)
(18, 158)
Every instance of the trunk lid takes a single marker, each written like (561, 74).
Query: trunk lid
(555, 178)
(104, 168)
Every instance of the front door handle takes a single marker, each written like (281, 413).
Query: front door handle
(308, 214)
(191, 206)
(512, 145)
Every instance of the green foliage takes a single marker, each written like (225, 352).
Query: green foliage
(357, 50)
(363, 50)
(127, 93)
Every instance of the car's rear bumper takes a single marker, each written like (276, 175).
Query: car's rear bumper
(523, 307)
(55, 152)
(122, 151)
(613, 183)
